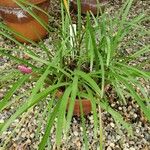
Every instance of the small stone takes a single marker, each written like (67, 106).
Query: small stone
(23, 135)
(78, 143)
(113, 105)
(131, 148)
(108, 148)
(32, 135)
(91, 119)
(125, 145)
(9, 132)
(26, 56)
(120, 108)
(28, 141)
(135, 115)
(23, 129)
(112, 124)
(137, 131)
(75, 133)
(131, 142)
(35, 146)
(147, 137)
(118, 137)
(112, 145)
(109, 137)
(129, 108)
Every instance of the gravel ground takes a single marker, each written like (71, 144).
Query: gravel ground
(27, 127)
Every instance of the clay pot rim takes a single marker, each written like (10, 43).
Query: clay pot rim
(94, 7)
(12, 4)
(59, 93)
(103, 3)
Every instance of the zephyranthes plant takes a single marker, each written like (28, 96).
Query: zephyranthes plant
(82, 69)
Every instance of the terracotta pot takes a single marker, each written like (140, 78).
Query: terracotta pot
(90, 5)
(20, 21)
(86, 105)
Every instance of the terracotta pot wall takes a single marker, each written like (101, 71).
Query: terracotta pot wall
(20, 21)
(32, 29)
(86, 105)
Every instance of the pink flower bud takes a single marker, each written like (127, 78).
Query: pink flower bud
(24, 69)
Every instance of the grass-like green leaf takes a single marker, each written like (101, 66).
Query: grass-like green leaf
(134, 70)
(50, 121)
(94, 109)
(83, 126)
(39, 84)
(90, 81)
(14, 88)
(72, 102)
(61, 114)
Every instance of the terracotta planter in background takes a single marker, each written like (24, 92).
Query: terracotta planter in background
(20, 21)
(90, 5)
(11, 3)
(86, 105)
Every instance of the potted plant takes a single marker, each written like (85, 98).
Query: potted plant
(95, 6)
(17, 16)
(85, 62)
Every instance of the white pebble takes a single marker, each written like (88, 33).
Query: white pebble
(23, 129)
(112, 124)
(112, 145)
(108, 148)
(28, 141)
(32, 135)
(75, 133)
(113, 105)
(137, 131)
(131, 148)
(120, 108)
(135, 115)
(23, 135)
(118, 137)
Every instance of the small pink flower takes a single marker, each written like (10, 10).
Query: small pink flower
(24, 69)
